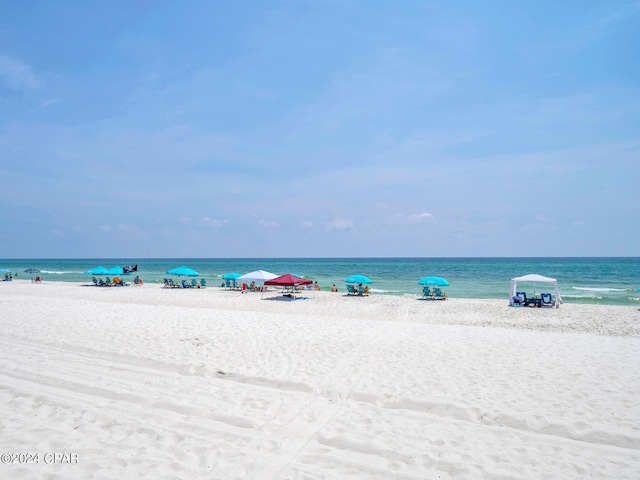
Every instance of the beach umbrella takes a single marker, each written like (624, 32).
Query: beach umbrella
(115, 271)
(231, 276)
(183, 272)
(357, 279)
(31, 271)
(98, 271)
(4, 270)
(434, 282)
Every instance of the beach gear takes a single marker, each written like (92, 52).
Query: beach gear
(357, 279)
(535, 278)
(434, 282)
(288, 280)
(259, 276)
(183, 272)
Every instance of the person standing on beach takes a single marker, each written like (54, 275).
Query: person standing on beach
(334, 288)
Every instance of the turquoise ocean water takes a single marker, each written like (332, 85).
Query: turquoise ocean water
(610, 281)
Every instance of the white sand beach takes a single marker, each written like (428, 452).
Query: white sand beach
(146, 382)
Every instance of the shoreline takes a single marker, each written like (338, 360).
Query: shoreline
(616, 320)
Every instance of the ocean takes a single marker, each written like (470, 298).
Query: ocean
(607, 281)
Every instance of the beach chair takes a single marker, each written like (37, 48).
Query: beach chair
(95, 281)
(351, 290)
(194, 283)
(364, 291)
(107, 282)
(38, 280)
(523, 298)
(426, 292)
(546, 300)
(438, 294)
(203, 283)
(184, 284)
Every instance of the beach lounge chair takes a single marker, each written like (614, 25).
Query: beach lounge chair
(184, 284)
(363, 290)
(95, 281)
(547, 300)
(194, 283)
(438, 294)
(203, 283)
(523, 298)
(351, 290)
(426, 292)
(38, 280)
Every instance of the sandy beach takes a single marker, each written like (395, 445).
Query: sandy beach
(146, 382)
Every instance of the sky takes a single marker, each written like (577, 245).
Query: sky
(341, 128)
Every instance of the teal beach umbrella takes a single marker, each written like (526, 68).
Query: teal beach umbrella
(231, 276)
(115, 271)
(357, 279)
(97, 271)
(434, 282)
(183, 272)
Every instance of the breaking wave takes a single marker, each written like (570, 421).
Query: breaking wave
(595, 289)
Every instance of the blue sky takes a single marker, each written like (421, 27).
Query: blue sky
(319, 128)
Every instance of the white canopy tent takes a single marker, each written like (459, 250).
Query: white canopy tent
(259, 276)
(534, 278)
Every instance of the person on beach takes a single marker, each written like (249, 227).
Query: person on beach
(244, 287)
(252, 286)
(334, 288)
(316, 286)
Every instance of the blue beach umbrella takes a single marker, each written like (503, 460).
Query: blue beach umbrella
(115, 271)
(231, 276)
(97, 271)
(31, 271)
(434, 282)
(357, 279)
(4, 270)
(183, 272)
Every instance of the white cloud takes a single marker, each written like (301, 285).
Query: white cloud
(340, 224)
(185, 220)
(306, 224)
(212, 223)
(264, 223)
(17, 75)
(413, 219)
(48, 103)
(123, 227)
